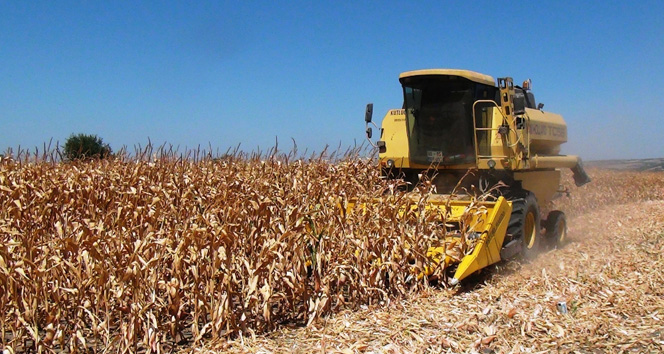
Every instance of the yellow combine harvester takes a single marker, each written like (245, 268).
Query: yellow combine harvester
(453, 121)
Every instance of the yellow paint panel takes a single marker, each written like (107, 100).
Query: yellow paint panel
(544, 184)
(547, 131)
(395, 136)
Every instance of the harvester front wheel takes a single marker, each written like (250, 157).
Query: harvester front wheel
(525, 224)
(556, 228)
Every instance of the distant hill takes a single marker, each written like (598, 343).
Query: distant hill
(629, 165)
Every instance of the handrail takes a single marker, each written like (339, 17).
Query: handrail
(475, 128)
(525, 137)
(528, 137)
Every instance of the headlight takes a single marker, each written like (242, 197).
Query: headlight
(390, 163)
(491, 164)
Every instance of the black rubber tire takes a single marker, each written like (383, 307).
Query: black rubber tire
(525, 224)
(556, 228)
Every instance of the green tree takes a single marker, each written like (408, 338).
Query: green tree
(85, 147)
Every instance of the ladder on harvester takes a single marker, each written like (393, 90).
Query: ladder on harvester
(513, 131)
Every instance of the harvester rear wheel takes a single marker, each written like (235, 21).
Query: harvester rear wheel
(525, 224)
(556, 228)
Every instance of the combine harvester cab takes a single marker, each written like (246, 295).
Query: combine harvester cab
(456, 121)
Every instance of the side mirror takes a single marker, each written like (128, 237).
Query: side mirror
(367, 120)
(368, 113)
(540, 106)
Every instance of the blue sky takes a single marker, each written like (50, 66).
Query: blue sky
(223, 73)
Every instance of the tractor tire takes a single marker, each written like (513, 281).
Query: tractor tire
(556, 228)
(524, 224)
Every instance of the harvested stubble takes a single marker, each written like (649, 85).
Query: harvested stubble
(135, 255)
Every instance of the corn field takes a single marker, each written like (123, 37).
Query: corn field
(145, 254)
(149, 254)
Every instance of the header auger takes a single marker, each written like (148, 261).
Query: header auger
(454, 121)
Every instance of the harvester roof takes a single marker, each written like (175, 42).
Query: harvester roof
(470, 75)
